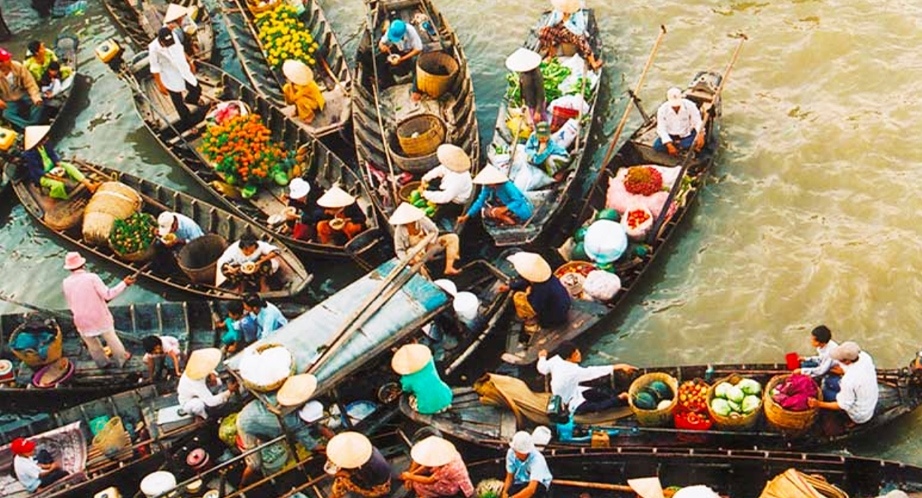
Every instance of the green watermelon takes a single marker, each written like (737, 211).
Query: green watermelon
(608, 214)
(580, 234)
(661, 390)
(645, 401)
(579, 253)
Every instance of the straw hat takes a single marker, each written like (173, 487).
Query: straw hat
(647, 487)
(297, 389)
(523, 60)
(566, 6)
(73, 260)
(297, 72)
(433, 452)
(489, 175)
(531, 266)
(454, 158)
(349, 450)
(406, 213)
(411, 358)
(174, 12)
(674, 96)
(298, 188)
(335, 198)
(165, 223)
(202, 362)
(34, 135)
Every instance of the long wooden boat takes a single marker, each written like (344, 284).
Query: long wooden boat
(141, 19)
(330, 71)
(639, 257)
(549, 202)
(65, 48)
(157, 198)
(378, 111)
(321, 167)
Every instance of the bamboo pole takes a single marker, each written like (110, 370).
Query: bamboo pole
(592, 485)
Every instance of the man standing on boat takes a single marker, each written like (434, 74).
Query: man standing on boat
(678, 124)
(20, 96)
(401, 45)
(172, 70)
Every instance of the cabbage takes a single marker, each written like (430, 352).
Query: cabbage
(720, 406)
(750, 386)
(734, 406)
(721, 390)
(751, 403)
(735, 394)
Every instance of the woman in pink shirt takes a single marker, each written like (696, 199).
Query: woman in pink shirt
(437, 470)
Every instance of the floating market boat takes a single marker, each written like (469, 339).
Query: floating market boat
(570, 78)
(497, 406)
(689, 174)
(64, 218)
(65, 48)
(319, 166)
(141, 19)
(265, 73)
(396, 138)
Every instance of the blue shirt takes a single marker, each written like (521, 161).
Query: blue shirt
(553, 149)
(534, 468)
(506, 194)
(186, 229)
(268, 320)
(244, 329)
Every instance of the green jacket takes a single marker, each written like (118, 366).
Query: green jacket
(432, 395)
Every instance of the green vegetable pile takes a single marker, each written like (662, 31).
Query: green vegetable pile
(133, 234)
(417, 199)
(553, 73)
(736, 400)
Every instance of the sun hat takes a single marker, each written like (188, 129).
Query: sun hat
(411, 358)
(34, 135)
(73, 260)
(335, 198)
(202, 362)
(542, 129)
(647, 487)
(396, 31)
(298, 188)
(848, 351)
(674, 96)
(297, 72)
(433, 452)
(174, 12)
(311, 412)
(5, 55)
(165, 223)
(566, 6)
(489, 175)
(297, 389)
(531, 266)
(406, 213)
(696, 492)
(454, 158)
(522, 443)
(523, 60)
(349, 450)
(22, 446)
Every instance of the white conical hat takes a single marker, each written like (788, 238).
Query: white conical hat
(297, 389)
(433, 452)
(523, 60)
(411, 358)
(454, 158)
(566, 6)
(174, 12)
(202, 362)
(34, 135)
(297, 72)
(489, 175)
(647, 487)
(335, 198)
(349, 450)
(531, 266)
(406, 213)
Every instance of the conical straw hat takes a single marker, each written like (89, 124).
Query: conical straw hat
(647, 487)
(411, 358)
(297, 389)
(202, 362)
(297, 72)
(349, 450)
(454, 158)
(489, 175)
(433, 452)
(174, 12)
(523, 60)
(406, 213)
(34, 135)
(335, 198)
(531, 266)
(566, 6)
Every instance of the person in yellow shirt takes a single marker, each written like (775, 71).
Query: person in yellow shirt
(40, 58)
(301, 90)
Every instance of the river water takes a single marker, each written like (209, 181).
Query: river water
(807, 217)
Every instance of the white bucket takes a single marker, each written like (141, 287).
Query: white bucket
(541, 436)
(466, 305)
(447, 286)
(157, 483)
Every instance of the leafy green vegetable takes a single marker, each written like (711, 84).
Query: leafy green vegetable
(720, 407)
(751, 403)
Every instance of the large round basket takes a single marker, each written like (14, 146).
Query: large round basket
(435, 73)
(198, 259)
(420, 135)
(34, 358)
(736, 422)
(415, 165)
(653, 418)
(788, 422)
(112, 201)
(275, 384)
(260, 6)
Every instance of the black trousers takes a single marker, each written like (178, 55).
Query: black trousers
(192, 97)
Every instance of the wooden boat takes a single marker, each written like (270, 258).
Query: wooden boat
(330, 72)
(549, 202)
(490, 425)
(141, 19)
(377, 111)
(156, 198)
(322, 168)
(65, 48)
(637, 150)
(68, 435)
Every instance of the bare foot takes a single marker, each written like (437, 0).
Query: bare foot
(416, 96)
(452, 271)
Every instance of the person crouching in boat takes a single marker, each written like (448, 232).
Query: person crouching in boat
(239, 328)
(40, 61)
(343, 218)
(20, 96)
(419, 378)
(157, 348)
(302, 91)
(455, 182)
(193, 391)
(303, 213)
(527, 474)
(539, 298)
(399, 48)
(526, 64)
(267, 316)
(678, 124)
(858, 390)
(545, 153)
(34, 472)
(567, 375)
(247, 264)
(437, 470)
(567, 25)
(176, 230)
(358, 467)
(504, 202)
(822, 367)
(45, 168)
(412, 226)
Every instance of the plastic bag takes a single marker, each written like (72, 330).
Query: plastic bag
(602, 285)
(525, 176)
(575, 102)
(567, 133)
(638, 231)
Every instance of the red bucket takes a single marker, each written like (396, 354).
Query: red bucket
(560, 116)
(793, 361)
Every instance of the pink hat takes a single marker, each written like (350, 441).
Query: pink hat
(73, 260)
(5, 55)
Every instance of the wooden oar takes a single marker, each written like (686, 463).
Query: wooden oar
(593, 485)
(374, 86)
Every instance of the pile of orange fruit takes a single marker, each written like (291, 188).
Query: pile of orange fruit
(242, 150)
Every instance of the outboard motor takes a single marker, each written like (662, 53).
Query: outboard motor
(110, 52)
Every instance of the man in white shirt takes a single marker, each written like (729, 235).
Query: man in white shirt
(566, 376)
(193, 392)
(455, 182)
(858, 389)
(173, 72)
(678, 124)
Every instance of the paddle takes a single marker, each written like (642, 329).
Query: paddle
(369, 20)
(593, 485)
(706, 108)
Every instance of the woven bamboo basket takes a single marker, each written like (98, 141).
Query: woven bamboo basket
(731, 423)
(199, 258)
(653, 418)
(138, 256)
(435, 73)
(789, 422)
(112, 201)
(32, 358)
(420, 135)
(275, 385)
(257, 7)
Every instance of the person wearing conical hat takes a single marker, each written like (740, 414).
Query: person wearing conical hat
(437, 470)
(540, 299)
(193, 391)
(20, 96)
(358, 466)
(526, 64)
(678, 124)
(45, 168)
(247, 264)
(179, 19)
(342, 220)
(647, 487)
(545, 153)
(696, 492)
(499, 199)
(411, 226)
(419, 378)
(302, 91)
(455, 182)
(567, 24)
